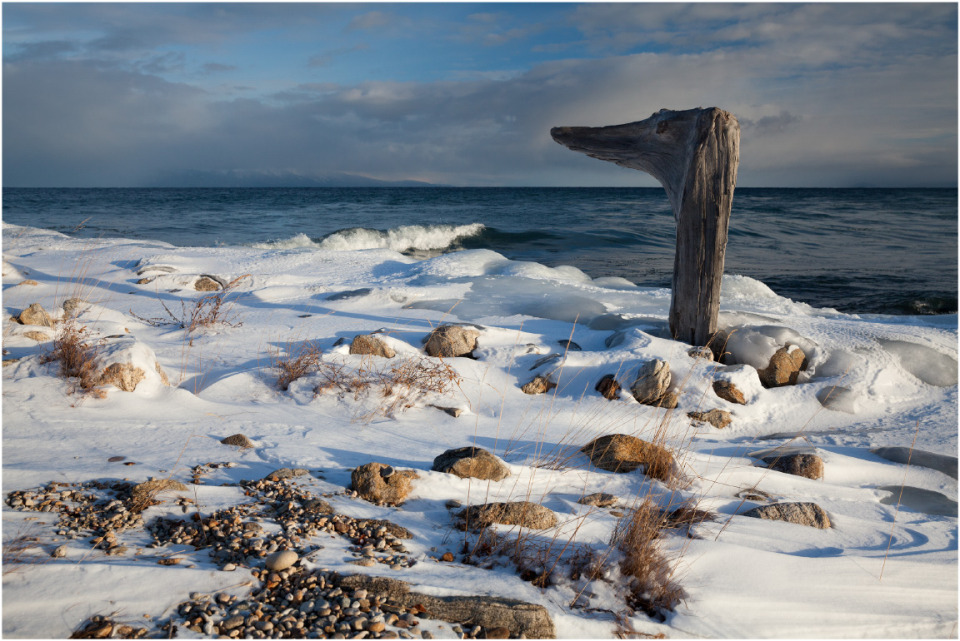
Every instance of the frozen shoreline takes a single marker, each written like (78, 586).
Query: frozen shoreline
(900, 373)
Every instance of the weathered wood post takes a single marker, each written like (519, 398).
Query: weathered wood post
(694, 154)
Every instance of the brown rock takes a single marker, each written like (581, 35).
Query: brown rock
(238, 440)
(207, 284)
(451, 340)
(608, 387)
(718, 418)
(447, 557)
(367, 344)
(35, 315)
(809, 514)
(29, 282)
(527, 619)
(286, 473)
(40, 337)
(523, 513)
(784, 368)
(729, 392)
(622, 453)
(471, 462)
(539, 385)
(126, 376)
(806, 465)
(600, 499)
(379, 483)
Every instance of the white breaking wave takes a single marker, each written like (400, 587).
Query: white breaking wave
(401, 239)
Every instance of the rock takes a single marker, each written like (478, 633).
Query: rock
(622, 453)
(35, 315)
(941, 462)
(452, 340)
(371, 485)
(600, 499)
(652, 383)
(806, 465)
(729, 392)
(523, 513)
(73, 306)
(701, 353)
(28, 282)
(471, 462)
(718, 418)
(520, 618)
(809, 514)
(238, 440)
(40, 337)
(286, 473)
(126, 376)
(455, 412)
(280, 560)
(669, 400)
(784, 368)
(144, 493)
(59, 552)
(569, 345)
(608, 387)
(208, 283)
(539, 385)
(317, 505)
(367, 344)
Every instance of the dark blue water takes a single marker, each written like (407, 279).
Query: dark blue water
(891, 251)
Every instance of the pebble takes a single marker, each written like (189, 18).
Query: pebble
(59, 552)
(281, 560)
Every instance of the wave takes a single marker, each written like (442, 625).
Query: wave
(408, 238)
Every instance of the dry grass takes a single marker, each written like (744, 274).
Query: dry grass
(207, 311)
(20, 551)
(398, 383)
(77, 357)
(300, 361)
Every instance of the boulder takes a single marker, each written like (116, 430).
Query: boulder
(523, 513)
(208, 283)
(809, 514)
(652, 383)
(806, 465)
(784, 368)
(451, 341)
(368, 344)
(608, 387)
(522, 619)
(126, 376)
(379, 483)
(729, 392)
(622, 453)
(238, 440)
(718, 418)
(35, 315)
(539, 385)
(471, 462)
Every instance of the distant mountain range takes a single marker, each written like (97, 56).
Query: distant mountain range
(240, 178)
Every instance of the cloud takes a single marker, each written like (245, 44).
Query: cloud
(216, 67)
(327, 57)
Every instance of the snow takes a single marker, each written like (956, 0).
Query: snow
(882, 570)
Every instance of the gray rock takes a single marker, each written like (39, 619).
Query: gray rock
(280, 560)
(701, 353)
(809, 514)
(652, 383)
(471, 462)
(523, 513)
(600, 499)
(73, 306)
(59, 552)
(237, 440)
(520, 618)
(451, 341)
(286, 473)
(718, 418)
(806, 465)
(367, 344)
(569, 345)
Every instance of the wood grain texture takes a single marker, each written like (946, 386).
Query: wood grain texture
(694, 154)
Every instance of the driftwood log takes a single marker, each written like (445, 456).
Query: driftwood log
(694, 154)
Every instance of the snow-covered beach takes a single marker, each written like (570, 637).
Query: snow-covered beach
(886, 566)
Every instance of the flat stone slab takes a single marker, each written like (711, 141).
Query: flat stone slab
(919, 500)
(809, 514)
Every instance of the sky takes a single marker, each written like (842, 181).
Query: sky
(135, 94)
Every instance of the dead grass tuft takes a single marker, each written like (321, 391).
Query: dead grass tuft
(21, 550)
(77, 358)
(301, 360)
(207, 311)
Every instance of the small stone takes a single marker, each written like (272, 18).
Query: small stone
(286, 473)
(600, 499)
(281, 560)
(232, 622)
(608, 387)
(539, 385)
(207, 284)
(59, 552)
(809, 514)
(718, 418)
(29, 282)
(229, 567)
(701, 353)
(115, 459)
(471, 462)
(367, 344)
(729, 392)
(447, 557)
(238, 440)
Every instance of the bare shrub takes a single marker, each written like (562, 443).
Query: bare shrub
(301, 360)
(77, 358)
(207, 311)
